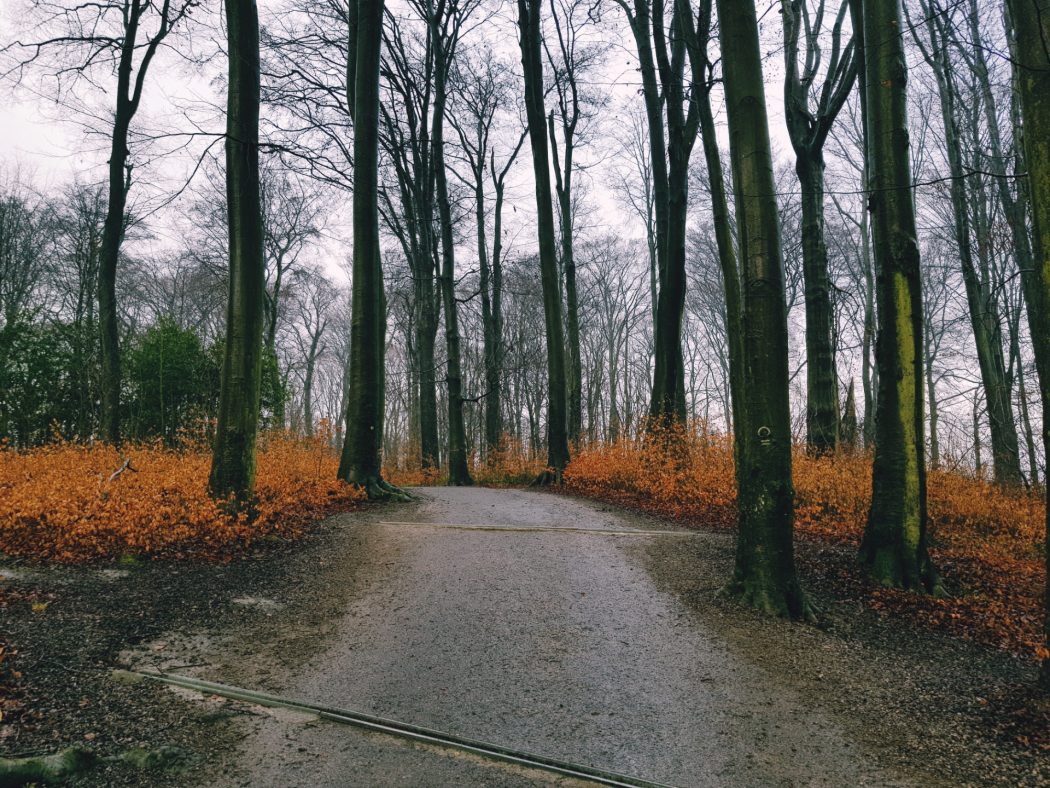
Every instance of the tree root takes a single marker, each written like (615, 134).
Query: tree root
(377, 489)
(551, 477)
(890, 567)
(47, 768)
(76, 761)
(792, 603)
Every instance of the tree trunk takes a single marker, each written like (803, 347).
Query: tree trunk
(668, 401)
(494, 330)
(975, 421)
(563, 172)
(426, 336)
(113, 234)
(984, 317)
(729, 267)
(1026, 422)
(360, 462)
(233, 459)
(557, 440)
(848, 431)
(822, 385)
(1031, 24)
(931, 390)
(869, 375)
(765, 566)
(308, 387)
(894, 547)
(492, 422)
(458, 473)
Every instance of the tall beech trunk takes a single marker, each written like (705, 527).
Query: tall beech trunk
(426, 339)
(673, 118)
(984, 313)
(492, 297)
(489, 337)
(233, 458)
(1031, 26)
(308, 386)
(697, 43)
(532, 65)
(360, 462)
(869, 373)
(808, 128)
(931, 394)
(109, 254)
(458, 473)
(494, 325)
(894, 547)
(765, 566)
(563, 176)
(822, 385)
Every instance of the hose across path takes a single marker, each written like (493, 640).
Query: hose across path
(408, 731)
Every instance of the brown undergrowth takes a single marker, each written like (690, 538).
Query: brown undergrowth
(70, 503)
(988, 544)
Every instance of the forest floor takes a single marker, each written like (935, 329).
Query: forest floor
(600, 648)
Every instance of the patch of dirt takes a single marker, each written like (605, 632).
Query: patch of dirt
(946, 707)
(67, 629)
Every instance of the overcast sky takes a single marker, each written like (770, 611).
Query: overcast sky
(37, 137)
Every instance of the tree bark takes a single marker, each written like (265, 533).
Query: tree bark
(532, 64)
(808, 128)
(360, 462)
(765, 567)
(894, 547)
(458, 473)
(233, 458)
(563, 172)
(1031, 25)
(822, 385)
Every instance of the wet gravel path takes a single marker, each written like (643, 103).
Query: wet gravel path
(473, 611)
(555, 642)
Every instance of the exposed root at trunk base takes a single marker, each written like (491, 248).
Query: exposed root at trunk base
(550, 477)
(762, 596)
(889, 567)
(379, 490)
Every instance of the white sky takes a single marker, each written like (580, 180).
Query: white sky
(36, 135)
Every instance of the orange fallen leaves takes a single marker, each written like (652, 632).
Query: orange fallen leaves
(58, 503)
(989, 545)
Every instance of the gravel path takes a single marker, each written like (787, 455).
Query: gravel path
(555, 642)
(491, 614)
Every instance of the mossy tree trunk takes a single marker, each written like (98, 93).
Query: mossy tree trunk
(532, 65)
(765, 566)
(233, 458)
(894, 547)
(361, 460)
(1031, 26)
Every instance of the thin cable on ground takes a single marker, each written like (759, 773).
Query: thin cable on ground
(408, 731)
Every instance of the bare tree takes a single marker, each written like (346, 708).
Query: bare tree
(96, 42)
(233, 456)
(808, 126)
